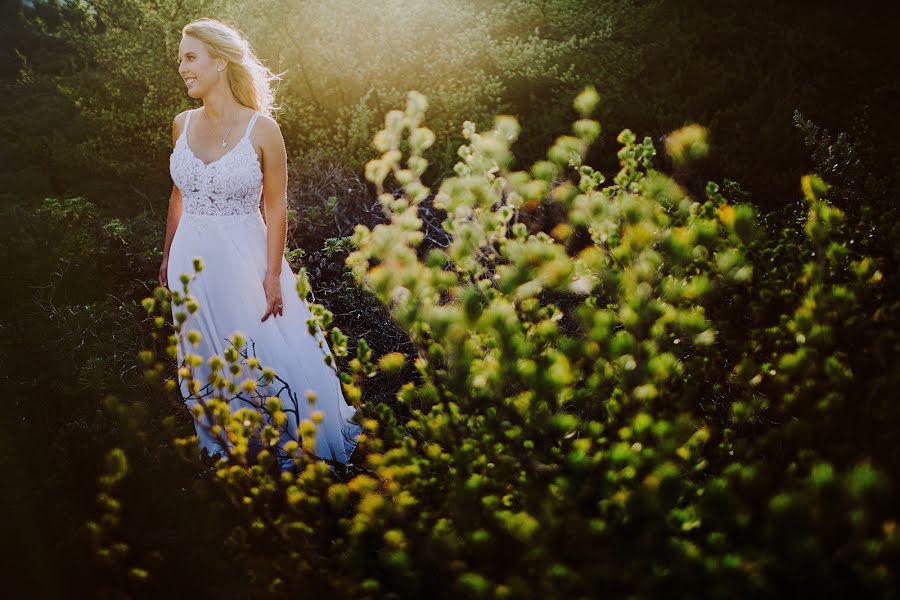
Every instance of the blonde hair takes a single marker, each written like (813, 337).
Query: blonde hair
(249, 79)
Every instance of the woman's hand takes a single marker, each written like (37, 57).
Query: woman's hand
(163, 275)
(272, 287)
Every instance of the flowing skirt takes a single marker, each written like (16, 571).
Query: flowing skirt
(230, 293)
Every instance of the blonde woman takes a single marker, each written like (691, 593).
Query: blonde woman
(228, 153)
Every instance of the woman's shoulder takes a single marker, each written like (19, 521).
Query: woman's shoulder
(267, 132)
(268, 124)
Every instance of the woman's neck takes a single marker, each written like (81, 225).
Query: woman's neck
(221, 106)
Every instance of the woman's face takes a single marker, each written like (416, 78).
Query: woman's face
(197, 68)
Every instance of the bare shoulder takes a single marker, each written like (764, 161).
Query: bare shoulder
(270, 140)
(269, 129)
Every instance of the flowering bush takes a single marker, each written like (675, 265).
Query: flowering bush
(649, 394)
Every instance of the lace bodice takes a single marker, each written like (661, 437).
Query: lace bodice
(230, 185)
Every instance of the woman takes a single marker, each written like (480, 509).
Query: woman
(226, 154)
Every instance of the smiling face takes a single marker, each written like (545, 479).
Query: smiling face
(197, 68)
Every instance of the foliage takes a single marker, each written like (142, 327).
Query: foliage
(72, 327)
(103, 88)
(123, 85)
(856, 190)
(588, 416)
(100, 534)
(470, 56)
(90, 89)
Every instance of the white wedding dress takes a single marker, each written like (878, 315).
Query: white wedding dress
(221, 222)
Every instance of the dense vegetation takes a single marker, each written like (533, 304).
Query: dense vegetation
(588, 366)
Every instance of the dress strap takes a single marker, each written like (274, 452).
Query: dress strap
(250, 125)
(187, 121)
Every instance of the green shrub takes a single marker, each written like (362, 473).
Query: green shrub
(624, 402)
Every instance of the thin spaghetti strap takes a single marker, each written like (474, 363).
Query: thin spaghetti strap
(250, 124)
(187, 121)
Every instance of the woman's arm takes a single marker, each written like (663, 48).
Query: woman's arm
(274, 159)
(175, 204)
(174, 215)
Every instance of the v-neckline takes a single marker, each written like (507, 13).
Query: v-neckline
(209, 164)
(197, 158)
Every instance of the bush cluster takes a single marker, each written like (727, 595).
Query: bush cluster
(657, 395)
